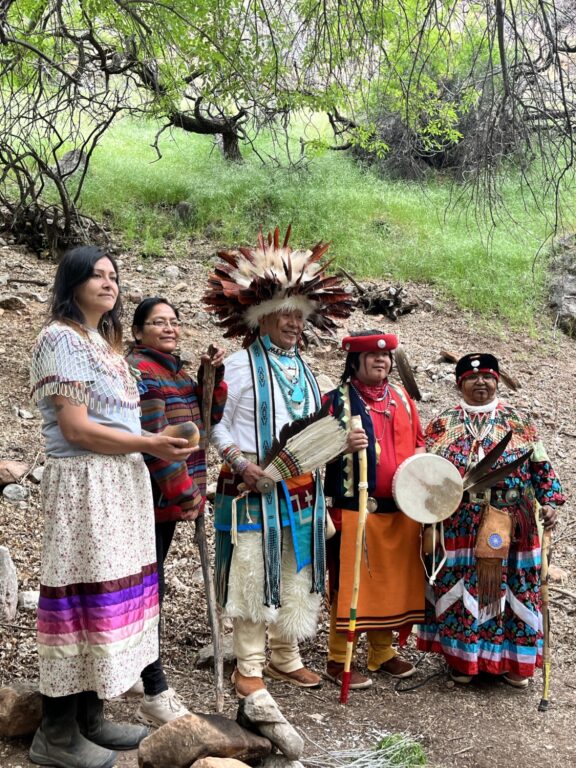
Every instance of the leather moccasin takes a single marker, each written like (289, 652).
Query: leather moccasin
(358, 681)
(397, 667)
(245, 685)
(302, 678)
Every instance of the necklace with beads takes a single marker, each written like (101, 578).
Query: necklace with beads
(386, 402)
(479, 424)
(291, 378)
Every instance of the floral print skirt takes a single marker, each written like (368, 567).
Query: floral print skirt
(497, 639)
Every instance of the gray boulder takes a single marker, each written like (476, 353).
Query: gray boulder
(260, 713)
(8, 586)
(562, 284)
(192, 737)
(14, 492)
(280, 761)
(205, 656)
(28, 600)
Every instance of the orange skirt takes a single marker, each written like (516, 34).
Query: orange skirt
(392, 578)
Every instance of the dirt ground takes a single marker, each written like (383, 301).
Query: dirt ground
(486, 724)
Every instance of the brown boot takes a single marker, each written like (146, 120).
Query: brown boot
(245, 685)
(335, 672)
(302, 678)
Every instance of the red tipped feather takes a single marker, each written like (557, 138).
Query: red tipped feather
(287, 236)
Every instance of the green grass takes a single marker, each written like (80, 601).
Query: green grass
(399, 230)
(404, 751)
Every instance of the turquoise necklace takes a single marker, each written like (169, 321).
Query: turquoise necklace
(288, 370)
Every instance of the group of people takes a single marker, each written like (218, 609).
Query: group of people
(116, 483)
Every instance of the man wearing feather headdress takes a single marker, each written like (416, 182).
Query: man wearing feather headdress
(270, 550)
(391, 593)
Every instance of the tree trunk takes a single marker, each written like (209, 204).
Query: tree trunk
(231, 147)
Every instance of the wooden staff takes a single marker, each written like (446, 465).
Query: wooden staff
(200, 540)
(544, 592)
(356, 423)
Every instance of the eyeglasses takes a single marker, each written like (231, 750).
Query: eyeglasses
(165, 323)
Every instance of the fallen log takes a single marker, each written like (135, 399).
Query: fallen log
(375, 300)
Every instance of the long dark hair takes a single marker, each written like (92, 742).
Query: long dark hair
(74, 269)
(353, 358)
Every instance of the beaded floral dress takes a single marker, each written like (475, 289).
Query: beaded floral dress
(506, 637)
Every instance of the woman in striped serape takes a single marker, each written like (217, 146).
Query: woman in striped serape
(170, 396)
(98, 609)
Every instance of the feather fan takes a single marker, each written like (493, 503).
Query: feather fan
(479, 470)
(303, 446)
(493, 477)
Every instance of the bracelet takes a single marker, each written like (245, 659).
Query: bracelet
(239, 466)
(235, 459)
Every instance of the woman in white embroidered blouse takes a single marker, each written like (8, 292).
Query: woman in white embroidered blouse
(98, 608)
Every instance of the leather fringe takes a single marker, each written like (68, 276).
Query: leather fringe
(489, 573)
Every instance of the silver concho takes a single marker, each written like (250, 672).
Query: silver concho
(512, 495)
(372, 504)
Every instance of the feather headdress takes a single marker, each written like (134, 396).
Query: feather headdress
(249, 283)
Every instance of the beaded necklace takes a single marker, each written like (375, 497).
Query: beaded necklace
(386, 400)
(479, 422)
(288, 370)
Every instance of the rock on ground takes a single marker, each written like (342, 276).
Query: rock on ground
(259, 711)
(191, 737)
(12, 471)
(20, 710)
(219, 762)
(8, 586)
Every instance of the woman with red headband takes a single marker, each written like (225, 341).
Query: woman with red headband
(391, 596)
(484, 614)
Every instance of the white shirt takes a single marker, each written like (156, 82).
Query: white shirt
(237, 424)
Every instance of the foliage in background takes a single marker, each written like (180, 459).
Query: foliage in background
(476, 84)
(235, 68)
(378, 228)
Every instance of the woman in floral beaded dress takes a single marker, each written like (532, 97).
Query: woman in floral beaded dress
(502, 637)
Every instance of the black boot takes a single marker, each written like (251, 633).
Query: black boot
(58, 741)
(104, 732)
